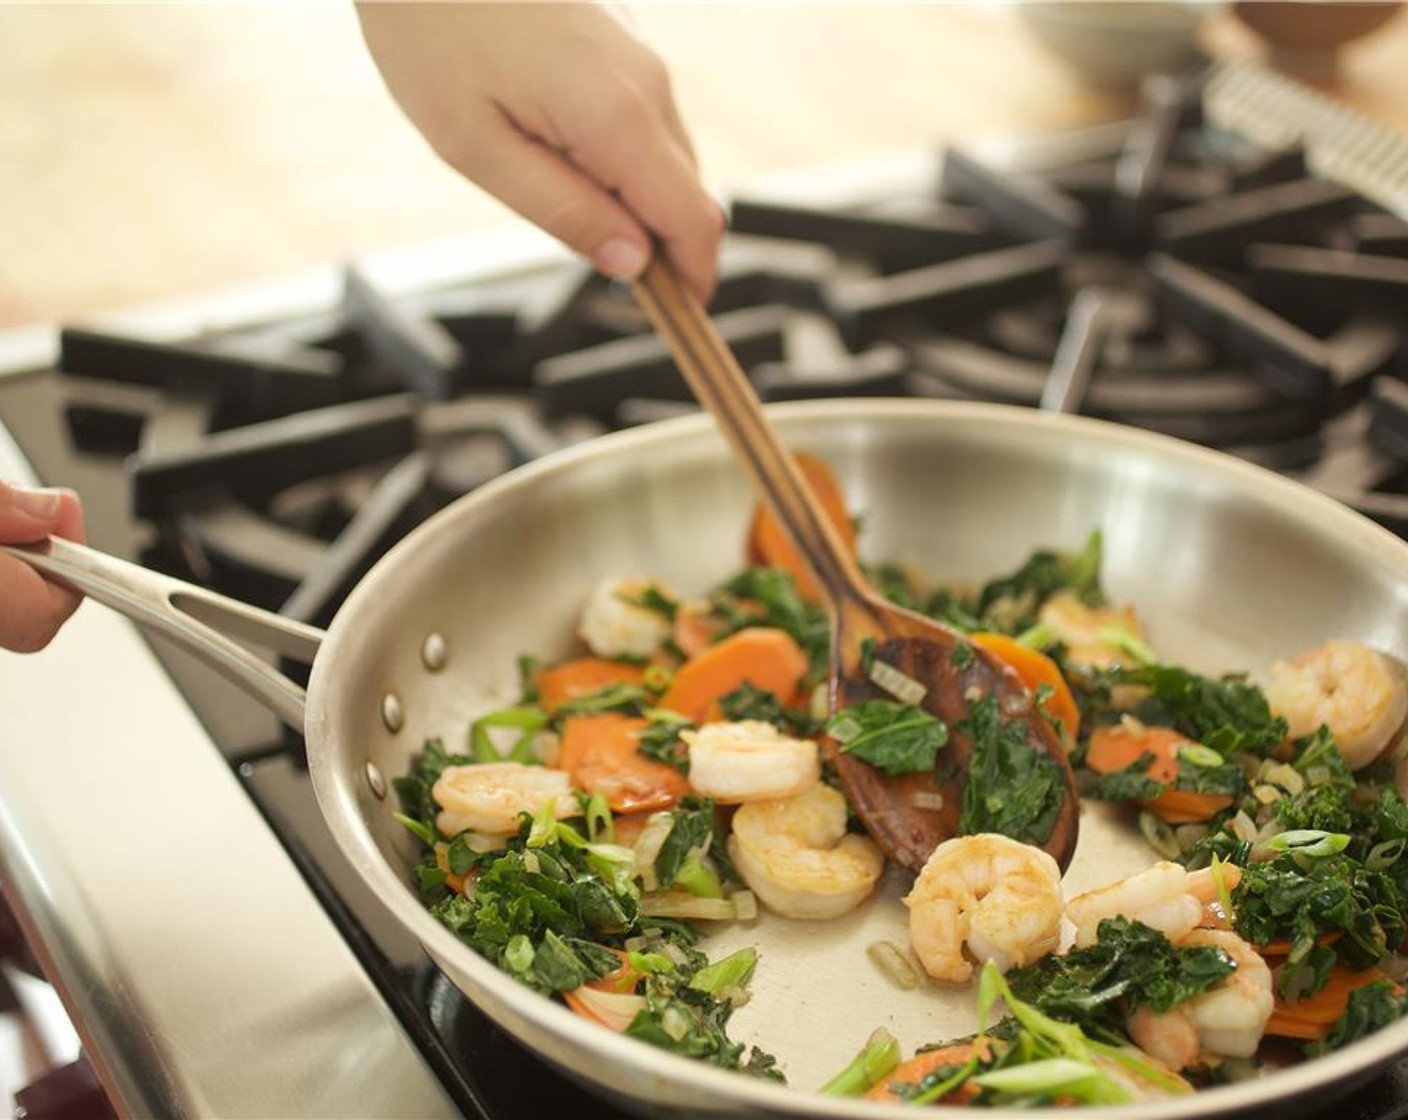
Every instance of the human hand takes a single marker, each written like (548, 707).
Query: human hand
(31, 608)
(558, 111)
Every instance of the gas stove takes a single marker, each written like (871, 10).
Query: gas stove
(1230, 267)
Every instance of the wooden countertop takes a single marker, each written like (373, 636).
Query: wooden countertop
(161, 151)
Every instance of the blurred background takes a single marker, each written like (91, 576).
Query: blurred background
(152, 150)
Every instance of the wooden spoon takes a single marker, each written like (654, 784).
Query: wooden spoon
(953, 670)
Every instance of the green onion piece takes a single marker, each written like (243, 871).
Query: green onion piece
(734, 971)
(844, 729)
(664, 715)
(1385, 855)
(523, 717)
(1128, 642)
(616, 866)
(1049, 1075)
(650, 962)
(1195, 754)
(1037, 637)
(1217, 868)
(519, 953)
(421, 832)
(876, 1058)
(658, 678)
(698, 879)
(1312, 842)
(544, 824)
(600, 825)
(1143, 1066)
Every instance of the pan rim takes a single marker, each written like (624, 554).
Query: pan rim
(339, 806)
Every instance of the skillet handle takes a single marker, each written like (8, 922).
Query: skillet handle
(210, 626)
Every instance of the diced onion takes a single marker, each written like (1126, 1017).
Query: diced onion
(745, 905)
(1266, 794)
(1243, 827)
(735, 995)
(1188, 835)
(894, 964)
(482, 842)
(927, 799)
(1283, 775)
(530, 862)
(819, 706)
(905, 689)
(682, 904)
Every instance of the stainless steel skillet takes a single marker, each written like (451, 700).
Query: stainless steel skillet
(1229, 565)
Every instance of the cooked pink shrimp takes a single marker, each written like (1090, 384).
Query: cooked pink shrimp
(992, 896)
(1165, 897)
(1227, 1020)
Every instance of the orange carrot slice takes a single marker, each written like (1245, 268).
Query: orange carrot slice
(921, 1065)
(763, 657)
(600, 752)
(1115, 747)
(1036, 669)
(574, 679)
(1312, 1017)
(768, 543)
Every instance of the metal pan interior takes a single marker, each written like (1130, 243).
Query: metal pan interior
(1229, 567)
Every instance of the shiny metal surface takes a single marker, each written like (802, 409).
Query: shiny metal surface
(1229, 565)
(203, 977)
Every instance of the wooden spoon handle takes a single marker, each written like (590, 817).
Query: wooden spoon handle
(713, 374)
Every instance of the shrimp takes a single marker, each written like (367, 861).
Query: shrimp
(1165, 897)
(1000, 897)
(1358, 692)
(1085, 630)
(489, 796)
(615, 625)
(797, 857)
(1228, 1020)
(749, 761)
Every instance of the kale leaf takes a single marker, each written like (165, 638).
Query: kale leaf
(895, 738)
(689, 1022)
(1129, 966)
(692, 831)
(1228, 715)
(1129, 783)
(1010, 603)
(661, 741)
(1012, 788)
(747, 701)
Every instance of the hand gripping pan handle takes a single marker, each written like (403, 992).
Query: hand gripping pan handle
(214, 628)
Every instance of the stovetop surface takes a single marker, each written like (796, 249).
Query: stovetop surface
(1159, 273)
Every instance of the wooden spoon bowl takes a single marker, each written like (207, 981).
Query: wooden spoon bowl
(901, 812)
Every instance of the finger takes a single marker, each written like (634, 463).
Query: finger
(70, 523)
(28, 515)
(31, 608)
(547, 190)
(636, 155)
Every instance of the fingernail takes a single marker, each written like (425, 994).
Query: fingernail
(43, 504)
(621, 259)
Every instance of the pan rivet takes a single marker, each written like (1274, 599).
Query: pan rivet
(433, 653)
(376, 781)
(391, 713)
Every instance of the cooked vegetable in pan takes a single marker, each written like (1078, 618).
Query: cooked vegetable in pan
(679, 773)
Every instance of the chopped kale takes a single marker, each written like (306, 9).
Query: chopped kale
(686, 1021)
(690, 835)
(651, 598)
(1130, 783)
(631, 699)
(1129, 966)
(895, 738)
(1010, 603)
(660, 740)
(1012, 787)
(750, 702)
(1228, 715)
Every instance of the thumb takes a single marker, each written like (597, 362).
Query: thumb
(28, 515)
